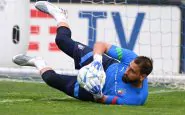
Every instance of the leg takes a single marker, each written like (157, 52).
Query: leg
(64, 41)
(66, 84)
(81, 54)
(63, 38)
(61, 82)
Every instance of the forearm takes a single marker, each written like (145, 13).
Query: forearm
(100, 48)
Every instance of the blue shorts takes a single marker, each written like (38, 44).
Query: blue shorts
(83, 55)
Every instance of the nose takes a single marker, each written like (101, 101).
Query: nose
(126, 72)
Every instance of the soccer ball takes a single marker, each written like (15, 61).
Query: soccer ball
(83, 78)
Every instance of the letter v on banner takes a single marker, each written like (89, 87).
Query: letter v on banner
(121, 33)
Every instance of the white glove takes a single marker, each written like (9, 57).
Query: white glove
(96, 64)
(94, 87)
(96, 70)
(92, 77)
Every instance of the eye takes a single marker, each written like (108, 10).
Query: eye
(133, 71)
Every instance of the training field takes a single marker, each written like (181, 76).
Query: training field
(21, 98)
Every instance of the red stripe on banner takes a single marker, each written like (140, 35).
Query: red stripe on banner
(35, 29)
(53, 47)
(33, 46)
(52, 29)
(38, 14)
(114, 100)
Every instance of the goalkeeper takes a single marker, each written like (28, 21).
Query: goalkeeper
(126, 73)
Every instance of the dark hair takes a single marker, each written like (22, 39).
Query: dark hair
(145, 64)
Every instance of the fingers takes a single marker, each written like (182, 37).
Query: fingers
(93, 86)
(88, 87)
(91, 75)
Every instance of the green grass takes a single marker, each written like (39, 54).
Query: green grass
(21, 98)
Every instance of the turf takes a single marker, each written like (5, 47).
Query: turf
(21, 98)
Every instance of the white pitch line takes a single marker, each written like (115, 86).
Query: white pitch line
(27, 100)
(164, 91)
(50, 99)
(14, 80)
(14, 100)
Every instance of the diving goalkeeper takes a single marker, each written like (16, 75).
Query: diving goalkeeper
(126, 73)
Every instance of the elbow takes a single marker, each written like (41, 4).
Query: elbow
(103, 45)
(100, 43)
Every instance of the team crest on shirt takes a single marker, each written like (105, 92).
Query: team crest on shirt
(121, 91)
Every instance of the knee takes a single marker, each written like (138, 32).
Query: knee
(48, 76)
(60, 39)
(62, 33)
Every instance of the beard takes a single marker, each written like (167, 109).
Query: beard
(126, 79)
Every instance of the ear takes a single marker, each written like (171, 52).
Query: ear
(142, 77)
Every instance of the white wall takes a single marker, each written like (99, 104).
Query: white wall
(13, 12)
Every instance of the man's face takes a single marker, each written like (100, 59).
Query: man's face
(132, 74)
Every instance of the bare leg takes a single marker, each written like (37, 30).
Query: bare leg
(63, 24)
(44, 70)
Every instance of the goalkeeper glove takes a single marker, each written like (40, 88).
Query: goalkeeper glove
(94, 87)
(96, 64)
(92, 77)
(96, 69)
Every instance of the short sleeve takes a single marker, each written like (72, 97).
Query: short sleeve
(121, 54)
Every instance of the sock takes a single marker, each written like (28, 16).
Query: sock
(59, 17)
(40, 63)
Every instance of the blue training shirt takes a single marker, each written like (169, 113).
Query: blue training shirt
(116, 91)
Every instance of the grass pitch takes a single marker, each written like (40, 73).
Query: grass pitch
(21, 98)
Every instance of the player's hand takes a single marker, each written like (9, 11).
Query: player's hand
(94, 87)
(92, 77)
(96, 65)
(96, 69)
